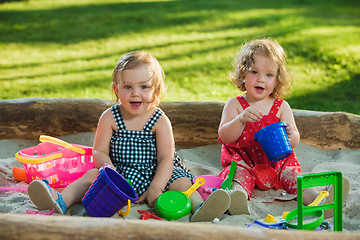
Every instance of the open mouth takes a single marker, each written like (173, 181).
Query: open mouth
(260, 88)
(135, 104)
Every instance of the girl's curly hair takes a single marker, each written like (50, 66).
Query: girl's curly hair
(245, 59)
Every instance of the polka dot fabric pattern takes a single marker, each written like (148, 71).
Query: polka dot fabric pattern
(247, 152)
(133, 153)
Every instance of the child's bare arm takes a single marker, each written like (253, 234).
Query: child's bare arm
(286, 116)
(102, 139)
(234, 119)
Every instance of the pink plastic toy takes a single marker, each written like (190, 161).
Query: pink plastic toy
(35, 212)
(55, 160)
(16, 189)
(211, 182)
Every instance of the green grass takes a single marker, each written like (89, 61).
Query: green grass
(68, 48)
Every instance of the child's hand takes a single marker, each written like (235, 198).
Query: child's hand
(250, 114)
(110, 166)
(150, 196)
(290, 130)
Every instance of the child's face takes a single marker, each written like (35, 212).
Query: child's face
(260, 81)
(135, 89)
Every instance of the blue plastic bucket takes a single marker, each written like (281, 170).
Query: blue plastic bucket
(109, 193)
(274, 141)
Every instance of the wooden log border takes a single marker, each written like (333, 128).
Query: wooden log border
(194, 123)
(20, 227)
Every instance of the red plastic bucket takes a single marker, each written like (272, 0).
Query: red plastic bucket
(109, 193)
(274, 141)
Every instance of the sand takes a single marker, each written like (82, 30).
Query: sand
(205, 160)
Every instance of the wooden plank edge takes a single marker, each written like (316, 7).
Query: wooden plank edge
(21, 226)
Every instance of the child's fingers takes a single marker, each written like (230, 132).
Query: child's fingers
(254, 114)
(110, 166)
(151, 203)
(288, 127)
(289, 130)
(251, 114)
(141, 198)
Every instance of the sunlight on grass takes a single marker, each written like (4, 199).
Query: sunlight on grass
(69, 48)
(47, 4)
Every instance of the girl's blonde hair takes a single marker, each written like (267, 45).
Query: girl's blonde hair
(136, 59)
(245, 59)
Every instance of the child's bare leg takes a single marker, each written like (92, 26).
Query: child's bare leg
(310, 194)
(46, 198)
(289, 175)
(183, 184)
(288, 179)
(73, 193)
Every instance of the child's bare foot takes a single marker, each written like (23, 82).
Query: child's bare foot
(310, 194)
(328, 213)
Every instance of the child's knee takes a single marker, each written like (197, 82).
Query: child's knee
(244, 178)
(290, 173)
(181, 184)
(91, 175)
(288, 179)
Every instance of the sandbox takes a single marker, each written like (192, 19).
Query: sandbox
(335, 136)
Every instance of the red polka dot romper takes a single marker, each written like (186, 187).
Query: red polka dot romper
(247, 153)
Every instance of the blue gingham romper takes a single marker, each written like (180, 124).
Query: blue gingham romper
(133, 153)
